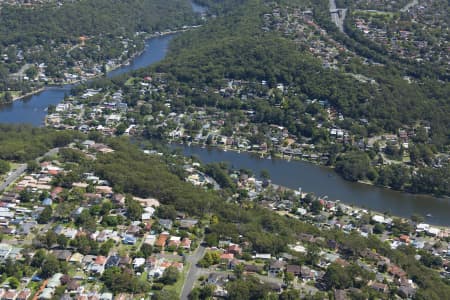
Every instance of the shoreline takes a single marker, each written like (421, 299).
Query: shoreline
(33, 92)
(126, 62)
(260, 154)
(401, 191)
(281, 156)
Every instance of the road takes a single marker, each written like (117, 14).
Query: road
(332, 5)
(21, 170)
(409, 5)
(21, 73)
(337, 15)
(194, 271)
(13, 176)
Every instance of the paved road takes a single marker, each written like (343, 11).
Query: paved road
(332, 5)
(49, 153)
(13, 176)
(337, 15)
(21, 170)
(194, 271)
(409, 5)
(21, 73)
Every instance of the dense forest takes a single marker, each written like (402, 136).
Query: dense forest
(29, 27)
(23, 143)
(235, 47)
(132, 171)
(50, 35)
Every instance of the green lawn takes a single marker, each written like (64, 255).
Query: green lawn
(123, 249)
(13, 94)
(12, 166)
(144, 275)
(375, 13)
(130, 81)
(178, 286)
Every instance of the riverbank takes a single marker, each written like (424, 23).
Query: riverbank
(323, 181)
(443, 197)
(22, 96)
(123, 64)
(317, 162)
(323, 188)
(34, 110)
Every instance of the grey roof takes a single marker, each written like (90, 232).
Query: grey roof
(166, 223)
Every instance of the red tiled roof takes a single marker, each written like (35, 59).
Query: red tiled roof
(161, 242)
(227, 256)
(53, 172)
(100, 260)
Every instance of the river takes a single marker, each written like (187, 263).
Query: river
(294, 174)
(32, 110)
(323, 181)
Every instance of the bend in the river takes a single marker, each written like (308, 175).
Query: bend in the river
(324, 181)
(32, 110)
(294, 174)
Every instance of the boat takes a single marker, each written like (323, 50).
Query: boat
(429, 215)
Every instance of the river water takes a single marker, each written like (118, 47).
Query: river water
(294, 174)
(32, 110)
(323, 181)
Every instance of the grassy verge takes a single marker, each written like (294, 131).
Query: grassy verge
(131, 81)
(178, 286)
